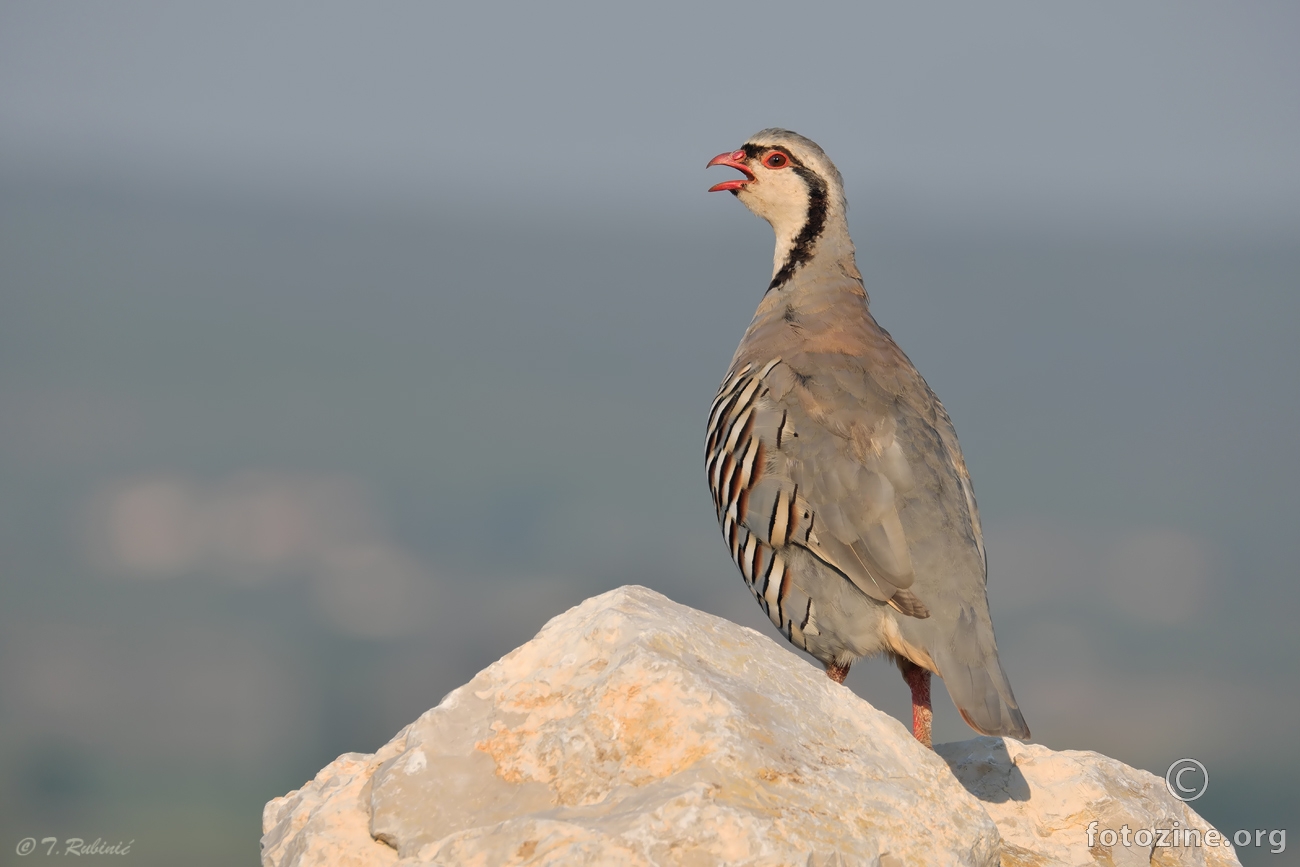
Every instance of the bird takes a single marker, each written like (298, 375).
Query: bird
(835, 471)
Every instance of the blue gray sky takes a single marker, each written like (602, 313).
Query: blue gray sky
(1155, 110)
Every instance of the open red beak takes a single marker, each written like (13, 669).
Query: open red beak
(736, 160)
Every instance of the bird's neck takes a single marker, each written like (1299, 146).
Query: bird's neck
(817, 249)
(821, 308)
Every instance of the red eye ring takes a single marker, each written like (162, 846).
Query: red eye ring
(776, 160)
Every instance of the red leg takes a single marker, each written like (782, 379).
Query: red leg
(837, 673)
(922, 716)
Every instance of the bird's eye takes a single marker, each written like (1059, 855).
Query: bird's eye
(776, 160)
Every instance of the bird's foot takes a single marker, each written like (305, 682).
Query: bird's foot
(918, 679)
(837, 673)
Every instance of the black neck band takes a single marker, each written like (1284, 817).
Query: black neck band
(815, 223)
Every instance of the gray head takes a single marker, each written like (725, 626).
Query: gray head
(790, 182)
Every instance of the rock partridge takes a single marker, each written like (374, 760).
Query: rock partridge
(835, 471)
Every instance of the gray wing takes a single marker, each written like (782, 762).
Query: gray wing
(823, 468)
(864, 474)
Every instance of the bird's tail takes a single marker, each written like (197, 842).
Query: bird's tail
(981, 692)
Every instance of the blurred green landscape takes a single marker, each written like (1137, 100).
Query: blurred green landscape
(275, 482)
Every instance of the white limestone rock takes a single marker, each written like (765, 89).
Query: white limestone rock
(633, 730)
(327, 821)
(1043, 803)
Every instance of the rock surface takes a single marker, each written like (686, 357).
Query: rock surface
(636, 731)
(1044, 801)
